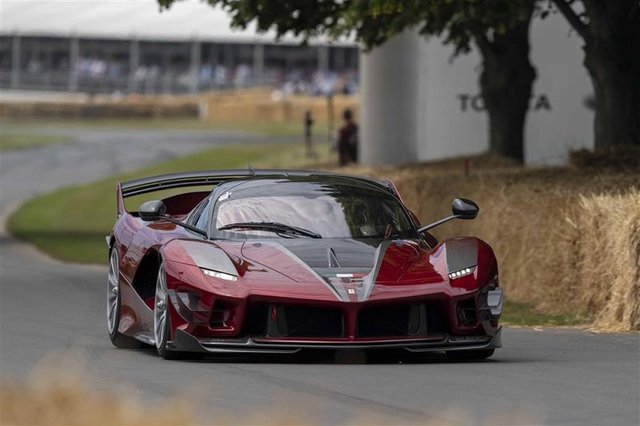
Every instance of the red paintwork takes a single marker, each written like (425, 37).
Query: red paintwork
(408, 272)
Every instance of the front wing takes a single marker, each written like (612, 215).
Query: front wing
(186, 342)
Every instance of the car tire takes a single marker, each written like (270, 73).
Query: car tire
(472, 355)
(162, 317)
(118, 339)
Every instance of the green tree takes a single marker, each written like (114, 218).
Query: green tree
(499, 28)
(610, 30)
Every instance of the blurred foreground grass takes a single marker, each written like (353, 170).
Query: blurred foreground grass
(61, 390)
(69, 400)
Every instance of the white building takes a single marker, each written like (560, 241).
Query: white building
(418, 103)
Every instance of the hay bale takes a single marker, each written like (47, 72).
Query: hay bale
(609, 238)
(614, 157)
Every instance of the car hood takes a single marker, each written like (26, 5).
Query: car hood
(301, 259)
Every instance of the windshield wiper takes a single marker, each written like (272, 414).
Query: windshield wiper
(271, 226)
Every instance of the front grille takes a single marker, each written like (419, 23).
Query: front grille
(275, 321)
(400, 320)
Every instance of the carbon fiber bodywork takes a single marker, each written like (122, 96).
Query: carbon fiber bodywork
(186, 342)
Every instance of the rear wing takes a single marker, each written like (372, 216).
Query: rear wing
(202, 178)
(216, 177)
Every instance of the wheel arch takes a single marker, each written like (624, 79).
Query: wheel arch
(144, 280)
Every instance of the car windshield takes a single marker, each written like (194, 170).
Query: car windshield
(326, 209)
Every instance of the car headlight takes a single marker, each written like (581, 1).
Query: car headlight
(211, 260)
(462, 272)
(218, 274)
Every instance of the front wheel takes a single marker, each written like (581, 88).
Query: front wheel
(473, 355)
(161, 317)
(118, 339)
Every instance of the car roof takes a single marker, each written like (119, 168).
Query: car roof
(333, 179)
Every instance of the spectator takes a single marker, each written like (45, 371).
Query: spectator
(308, 137)
(348, 140)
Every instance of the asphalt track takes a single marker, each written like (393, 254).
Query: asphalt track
(56, 311)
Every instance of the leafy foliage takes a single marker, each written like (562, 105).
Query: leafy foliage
(306, 18)
(372, 22)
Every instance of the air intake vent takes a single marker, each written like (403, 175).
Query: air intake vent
(295, 321)
(401, 320)
(467, 313)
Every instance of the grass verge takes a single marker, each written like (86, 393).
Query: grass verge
(11, 141)
(525, 314)
(262, 128)
(70, 224)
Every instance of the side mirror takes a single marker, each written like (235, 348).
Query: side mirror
(156, 210)
(461, 209)
(152, 211)
(464, 209)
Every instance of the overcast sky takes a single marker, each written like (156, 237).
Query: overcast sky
(143, 19)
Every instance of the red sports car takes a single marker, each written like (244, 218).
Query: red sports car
(277, 261)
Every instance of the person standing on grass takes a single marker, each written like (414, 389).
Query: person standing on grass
(348, 140)
(308, 138)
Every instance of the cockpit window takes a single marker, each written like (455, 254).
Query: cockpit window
(330, 210)
(200, 215)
